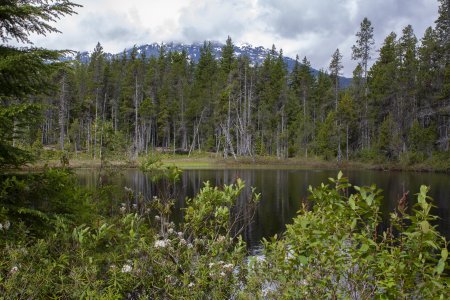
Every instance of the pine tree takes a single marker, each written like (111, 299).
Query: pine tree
(383, 83)
(364, 44)
(335, 69)
(96, 71)
(362, 53)
(408, 67)
(346, 118)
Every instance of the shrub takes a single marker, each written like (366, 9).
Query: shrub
(338, 250)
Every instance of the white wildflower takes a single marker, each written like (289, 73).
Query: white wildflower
(180, 234)
(210, 265)
(126, 268)
(222, 274)
(123, 209)
(191, 284)
(190, 246)
(157, 218)
(170, 231)
(228, 267)
(127, 189)
(14, 270)
(183, 242)
(134, 205)
(161, 243)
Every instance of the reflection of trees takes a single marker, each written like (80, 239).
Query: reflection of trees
(245, 209)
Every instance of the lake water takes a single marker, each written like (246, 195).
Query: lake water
(282, 191)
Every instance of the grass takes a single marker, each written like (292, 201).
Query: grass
(208, 160)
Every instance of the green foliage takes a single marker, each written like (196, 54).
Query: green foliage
(19, 19)
(422, 139)
(326, 137)
(153, 165)
(38, 200)
(24, 71)
(388, 139)
(13, 121)
(210, 213)
(132, 252)
(338, 249)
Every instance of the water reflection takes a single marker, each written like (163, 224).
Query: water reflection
(284, 190)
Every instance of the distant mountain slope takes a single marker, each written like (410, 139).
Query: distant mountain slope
(255, 54)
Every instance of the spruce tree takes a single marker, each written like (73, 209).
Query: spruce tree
(362, 53)
(24, 70)
(335, 69)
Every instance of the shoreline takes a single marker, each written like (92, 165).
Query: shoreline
(210, 162)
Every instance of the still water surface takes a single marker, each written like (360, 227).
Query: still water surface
(282, 191)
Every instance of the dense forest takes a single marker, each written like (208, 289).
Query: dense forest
(399, 108)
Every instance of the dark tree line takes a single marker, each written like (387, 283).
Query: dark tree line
(135, 104)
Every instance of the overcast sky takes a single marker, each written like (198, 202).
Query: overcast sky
(311, 28)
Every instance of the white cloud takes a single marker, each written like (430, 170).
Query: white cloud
(307, 28)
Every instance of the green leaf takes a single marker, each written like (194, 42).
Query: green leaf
(432, 244)
(352, 202)
(354, 222)
(340, 175)
(364, 248)
(425, 226)
(444, 254)
(423, 189)
(440, 267)
(369, 199)
(303, 259)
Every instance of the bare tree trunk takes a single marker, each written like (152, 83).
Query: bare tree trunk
(88, 138)
(347, 140)
(196, 133)
(136, 146)
(229, 143)
(339, 143)
(183, 125)
(102, 129)
(62, 110)
(95, 123)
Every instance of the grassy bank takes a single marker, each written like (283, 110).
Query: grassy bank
(212, 161)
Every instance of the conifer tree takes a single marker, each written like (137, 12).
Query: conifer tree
(24, 71)
(362, 53)
(335, 69)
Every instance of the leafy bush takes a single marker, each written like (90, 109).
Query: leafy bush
(411, 158)
(338, 250)
(135, 253)
(369, 155)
